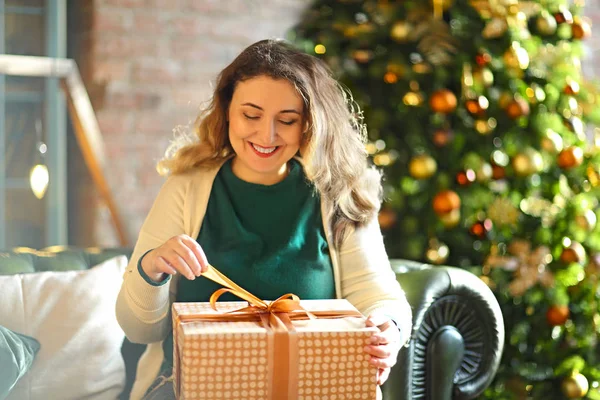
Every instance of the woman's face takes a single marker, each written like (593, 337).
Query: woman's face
(265, 128)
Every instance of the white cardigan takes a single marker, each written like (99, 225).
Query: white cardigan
(361, 270)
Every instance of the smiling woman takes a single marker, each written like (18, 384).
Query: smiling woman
(266, 121)
(275, 191)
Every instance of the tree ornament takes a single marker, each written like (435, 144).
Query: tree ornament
(480, 229)
(517, 108)
(570, 157)
(400, 31)
(505, 99)
(443, 101)
(551, 142)
(422, 166)
(527, 163)
(483, 77)
(593, 174)
(557, 315)
(575, 125)
(581, 28)
(575, 386)
(484, 172)
(574, 253)
(546, 24)
(446, 201)
(563, 15)
(413, 99)
(442, 137)
(362, 56)
(587, 220)
(498, 172)
(516, 58)
(477, 106)
(483, 58)
(503, 212)
(390, 77)
(437, 252)
(571, 88)
(387, 218)
(465, 178)
(502, 14)
(451, 219)
(485, 126)
(529, 267)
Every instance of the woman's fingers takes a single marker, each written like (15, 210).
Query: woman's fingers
(164, 266)
(197, 253)
(180, 264)
(378, 351)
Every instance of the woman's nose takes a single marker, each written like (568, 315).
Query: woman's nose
(268, 132)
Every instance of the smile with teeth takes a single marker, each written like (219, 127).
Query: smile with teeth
(264, 150)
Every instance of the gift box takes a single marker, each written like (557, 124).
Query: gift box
(314, 351)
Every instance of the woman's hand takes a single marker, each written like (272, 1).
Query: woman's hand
(384, 346)
(180, 254)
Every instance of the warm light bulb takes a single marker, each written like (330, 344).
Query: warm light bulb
(38, 179)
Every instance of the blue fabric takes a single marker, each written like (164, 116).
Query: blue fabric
(17, 353)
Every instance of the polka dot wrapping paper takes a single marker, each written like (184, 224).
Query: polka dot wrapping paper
(322, 358)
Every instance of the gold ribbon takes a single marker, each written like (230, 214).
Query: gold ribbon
(276, 317)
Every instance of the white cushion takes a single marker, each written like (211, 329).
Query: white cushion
(72, 315)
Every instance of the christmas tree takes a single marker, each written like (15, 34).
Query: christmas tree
(479, 117)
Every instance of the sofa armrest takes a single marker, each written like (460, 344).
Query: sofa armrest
(455, 315)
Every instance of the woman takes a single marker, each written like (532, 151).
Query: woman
(276, 192)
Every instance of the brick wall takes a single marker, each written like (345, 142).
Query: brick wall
(147, 65)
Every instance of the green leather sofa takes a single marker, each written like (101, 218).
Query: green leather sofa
(458, 330)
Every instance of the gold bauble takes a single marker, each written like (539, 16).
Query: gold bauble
(587, 220)
(527, 163)
(446, 201)
(422, 166)
(443, 101)
(593, 175)
(552, 142)
(437, 252)
(570, 157)
(546, 24)
(400, 31)
(483, 77)
(413, 99)
(451, 219)
(446, 4)
(503, 212)
(575, 386)
(484, 173)
(516, 58)
(485, 126)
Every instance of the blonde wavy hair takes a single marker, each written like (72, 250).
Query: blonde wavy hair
(333, 144)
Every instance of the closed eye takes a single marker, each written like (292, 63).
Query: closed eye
(250, 117)
(292, 122)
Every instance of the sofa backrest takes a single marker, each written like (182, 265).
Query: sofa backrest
(63, 258)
